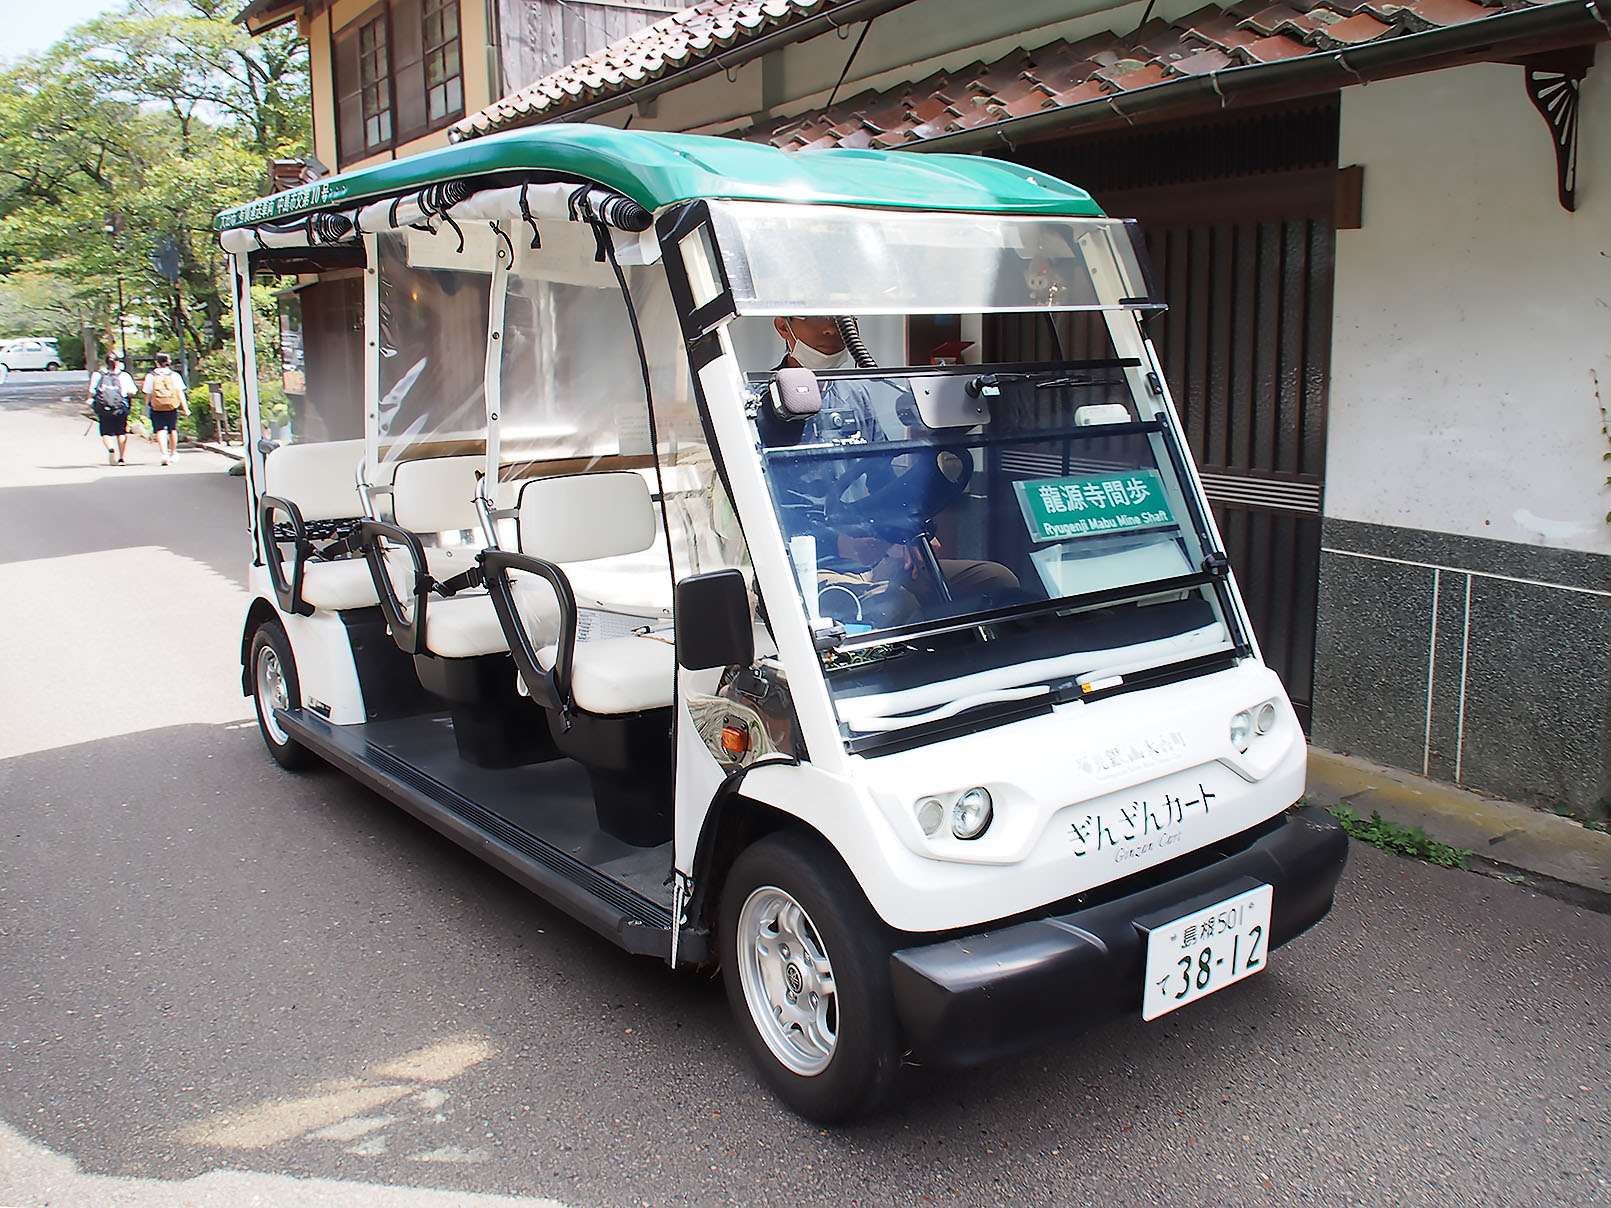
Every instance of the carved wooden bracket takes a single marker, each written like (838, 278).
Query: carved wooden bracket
(1554, 83)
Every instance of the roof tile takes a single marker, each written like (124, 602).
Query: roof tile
(931, 109)
(1273, 50)
(1362, 27)
(1031, 102)
(1268, 21)
(1091, 90)
(1432, 14)
(1144, 76)
(1177, 44)
(1202, 62)
(1223, 31)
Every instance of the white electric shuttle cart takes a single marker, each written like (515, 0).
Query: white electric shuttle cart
(915, 692)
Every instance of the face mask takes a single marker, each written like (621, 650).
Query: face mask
(818, 362)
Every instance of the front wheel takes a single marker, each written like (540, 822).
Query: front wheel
(53, 367)
(806, 964)
(274, 686)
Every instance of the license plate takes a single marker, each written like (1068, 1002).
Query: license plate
(1205, 950)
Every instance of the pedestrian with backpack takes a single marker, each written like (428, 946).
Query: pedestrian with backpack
(110, 391)
(165, 399)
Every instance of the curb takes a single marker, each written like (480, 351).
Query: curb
(1554, 855)
(233, 452)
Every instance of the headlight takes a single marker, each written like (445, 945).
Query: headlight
(970, 816)
(1250, 723)
(1264, 719)
(930, 813)
(1241, 730)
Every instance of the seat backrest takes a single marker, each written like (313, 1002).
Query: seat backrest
(320, 478)
(578, 517)
(436, 494)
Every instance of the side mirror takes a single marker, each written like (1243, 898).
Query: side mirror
(712, 619)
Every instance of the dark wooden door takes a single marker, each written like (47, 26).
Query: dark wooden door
(1239, 218)
(333, 346)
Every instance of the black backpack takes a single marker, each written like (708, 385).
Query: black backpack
(109, 398)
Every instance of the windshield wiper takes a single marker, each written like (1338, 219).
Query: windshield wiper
(1065, 382)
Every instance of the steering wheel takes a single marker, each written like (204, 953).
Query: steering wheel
(895, 497)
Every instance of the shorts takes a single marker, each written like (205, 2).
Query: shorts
(164, 421)
(114, 425)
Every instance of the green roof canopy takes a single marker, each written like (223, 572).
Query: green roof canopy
(657, 170)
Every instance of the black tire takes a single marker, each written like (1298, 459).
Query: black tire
(274, 682)
(53, 367)
(831, 1058)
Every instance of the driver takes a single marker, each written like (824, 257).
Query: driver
(867, 576)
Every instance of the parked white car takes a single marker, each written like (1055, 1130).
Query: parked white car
(30, 353)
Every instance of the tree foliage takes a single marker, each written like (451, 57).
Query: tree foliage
(134, 129)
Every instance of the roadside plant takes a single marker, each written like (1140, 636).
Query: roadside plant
(1395, 837)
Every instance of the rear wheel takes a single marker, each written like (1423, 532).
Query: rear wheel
(274, 686)
(53, 367)
(806, 963)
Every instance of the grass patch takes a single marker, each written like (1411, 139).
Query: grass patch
(1394, 837)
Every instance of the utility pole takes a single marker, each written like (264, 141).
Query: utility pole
(165, 259)
(114, 227)
(179, 327)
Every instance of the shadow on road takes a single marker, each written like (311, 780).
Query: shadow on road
(200, 516)
(62, 392)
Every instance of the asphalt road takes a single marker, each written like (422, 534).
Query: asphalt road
(216, 977)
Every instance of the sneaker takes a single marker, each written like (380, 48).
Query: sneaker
(121, 462)
(164, 461)
(111, 458)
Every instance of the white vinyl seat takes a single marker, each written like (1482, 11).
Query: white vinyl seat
(346, 583)
(620, 675)
(580, 518)
(433, 499)
(306, 483)
(468, 626)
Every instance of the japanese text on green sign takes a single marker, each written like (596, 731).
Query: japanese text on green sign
(1056, 509)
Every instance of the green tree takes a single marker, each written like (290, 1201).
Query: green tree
(190, 58)
(136, 129)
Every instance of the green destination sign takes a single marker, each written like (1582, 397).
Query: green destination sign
(1056, 509)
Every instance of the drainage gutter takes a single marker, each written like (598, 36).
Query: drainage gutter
(1555, 26)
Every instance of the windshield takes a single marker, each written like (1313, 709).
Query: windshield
(985, 536)
(783, 259)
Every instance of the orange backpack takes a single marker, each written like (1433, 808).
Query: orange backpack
(165, 392)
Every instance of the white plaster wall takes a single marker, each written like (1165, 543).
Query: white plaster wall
(1472, 338)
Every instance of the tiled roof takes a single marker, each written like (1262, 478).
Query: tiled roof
(688, 36)
(1064, 74)
(1057, 76)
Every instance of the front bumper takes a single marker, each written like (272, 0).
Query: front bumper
(966, 1000)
